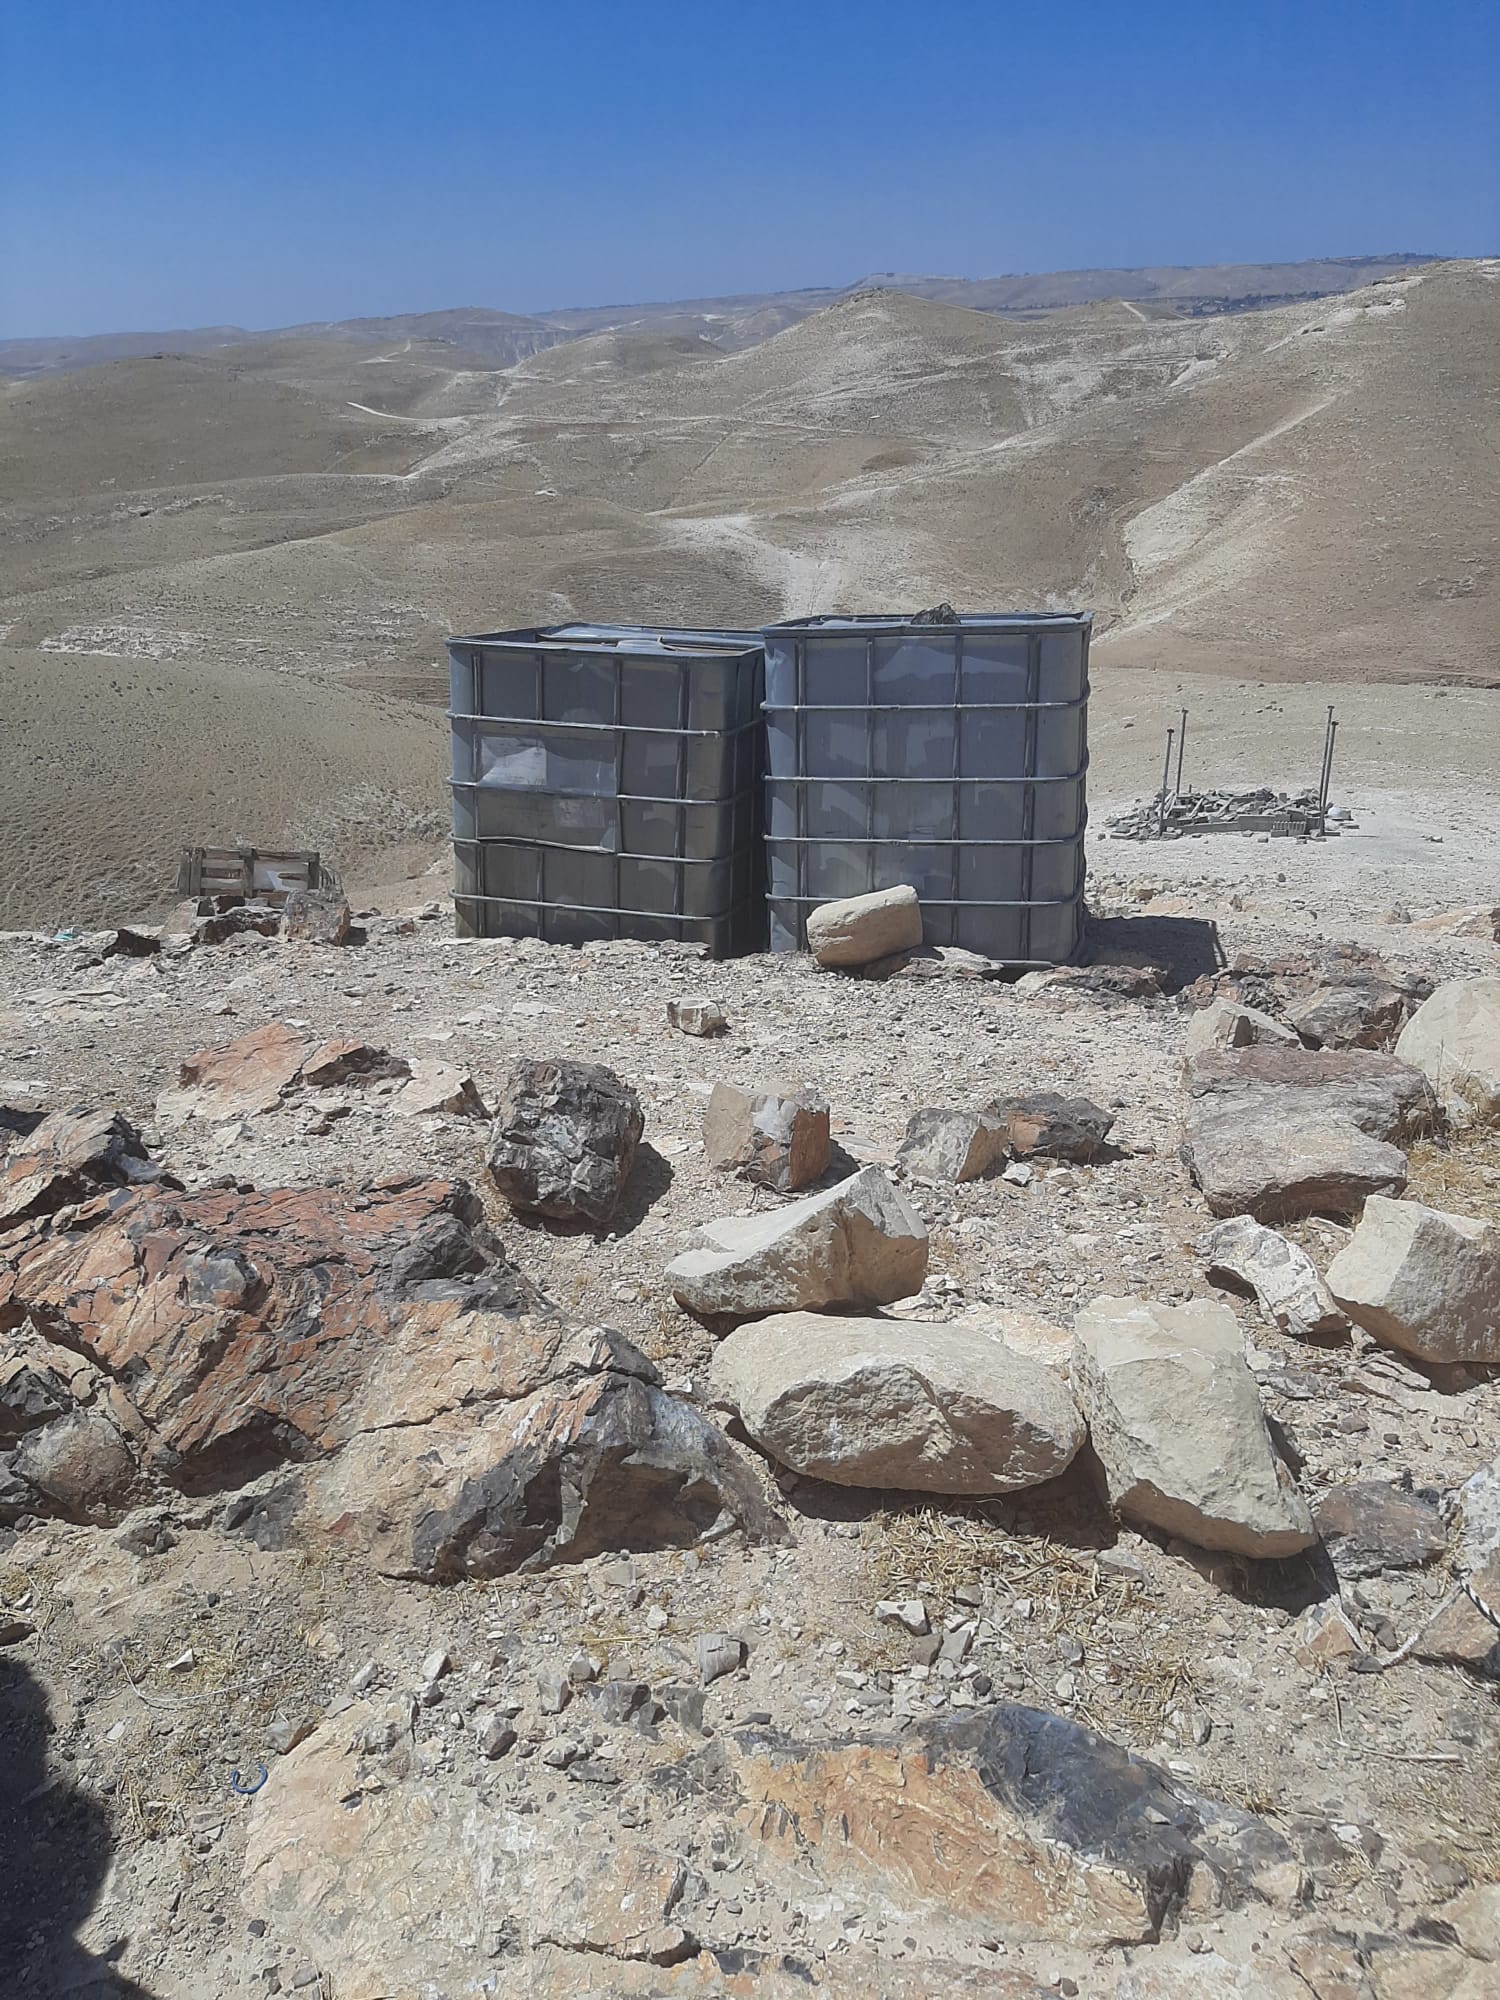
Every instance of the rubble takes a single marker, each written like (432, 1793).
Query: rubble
(896, 1403)
(564, 1140)
(69, 1156)
(856, 1244)
(1374, 1526)
(1288, 815)
(776, 1137)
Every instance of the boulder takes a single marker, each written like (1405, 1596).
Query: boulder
(1383, 1095)
(367, 1371)
(1362, 1013)
(1282, 1277)
(856, 1244)
(1422, 1281)
(777, 1137)
(1454, 1039)
(1375, 1526)
(70, 1156)
(316, 916)
(1224, 1024)
(1176, 1423)
(564, 1140)
(861, 929)
(952, 1145)
(1277, 1154)
(926, 1408)
(1046, 1125)
(81, 1464)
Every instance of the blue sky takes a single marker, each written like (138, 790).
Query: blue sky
(256, 162)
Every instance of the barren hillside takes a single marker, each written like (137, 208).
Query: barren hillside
(1301, 493)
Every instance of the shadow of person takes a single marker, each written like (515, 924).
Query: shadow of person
(55, 1850)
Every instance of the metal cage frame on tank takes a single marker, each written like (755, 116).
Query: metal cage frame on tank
(1005, 812)
(607, 783)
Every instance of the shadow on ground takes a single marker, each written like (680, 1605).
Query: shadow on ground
(56, 1845)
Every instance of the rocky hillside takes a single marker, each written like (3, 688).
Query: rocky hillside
(505, 1491)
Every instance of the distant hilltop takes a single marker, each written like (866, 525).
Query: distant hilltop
(742, 319)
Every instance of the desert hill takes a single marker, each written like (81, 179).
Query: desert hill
(1300, 493)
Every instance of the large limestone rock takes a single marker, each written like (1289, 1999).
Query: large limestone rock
(1277, 1132)
(1276, 1155)
(861, 929)
(1382, 1095)
(945, 1145)
(1454, 1039)
(1175, 1420)
(1281, 1276)
(365, 1369)
(1224, 1024)
(564, 1140)
(925, 1408)
(777, 1137)
(857, 1244)
(1422, 1281)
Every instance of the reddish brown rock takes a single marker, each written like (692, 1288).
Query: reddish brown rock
(248, 1075)
(468, 1426)
(68, 1157)
(777, 1136)
(1010, 1814)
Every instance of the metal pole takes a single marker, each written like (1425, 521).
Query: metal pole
(1181, 746)
(1333, 730)
(1166, 779)
(1327, 754)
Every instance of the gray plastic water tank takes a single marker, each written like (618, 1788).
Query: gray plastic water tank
(607, 784)
(945, 751)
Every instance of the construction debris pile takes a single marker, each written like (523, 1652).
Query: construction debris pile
(1298, 816)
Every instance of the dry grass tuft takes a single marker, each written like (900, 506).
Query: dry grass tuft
(1461, 1174)
(1147, 1674)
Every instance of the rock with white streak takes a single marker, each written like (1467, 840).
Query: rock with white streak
(857, 1244)
(861, 929)
(916, 1406)
(1422, 1281)
(1281, 1275)
(1176, 1423)
(1454, 1039)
